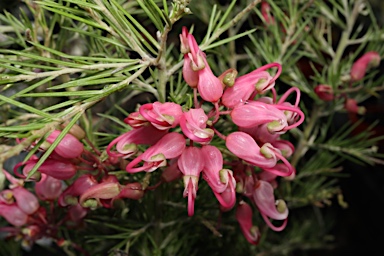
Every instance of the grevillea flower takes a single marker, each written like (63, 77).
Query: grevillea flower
(162, 115)
(220, 180)
(256, 113)
(191, 163)
(25, 200)
(365, 62)
(48, 188)
(168, 147)
(209, 86)
(244, 218)
(324, 92)
(77, 188)
(245, 147)
(190, 76)
(193, 124)
(265, 200)
(13, 214)
(58, 169)
(126, 144)
(69, 146)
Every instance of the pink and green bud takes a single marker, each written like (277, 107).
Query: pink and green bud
(245, 147)
(351, 106)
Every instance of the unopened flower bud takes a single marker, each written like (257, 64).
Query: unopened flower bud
(365, 62)
(352, 107)
(324, 92)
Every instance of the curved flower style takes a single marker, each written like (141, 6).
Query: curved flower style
(191, 163)
(220, 180)
(162, 115)
(126, 144)
(168, 147)
(245, 147)
(265, 200)
(69, 146)
(244, 218)
(193, 124)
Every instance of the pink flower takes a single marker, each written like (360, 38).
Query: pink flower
(162, 115)
(256, 113)
(25, 200)
(126, 144)
(77, 188)
(244, 218)
(107, 189)
(58, 169)
(193, 124)
(69, 146)
(265, 200)
(191, 163)
(245, 147)
(256, 81)
(361, 65)
(168, 147)
(13, 214)
(48, 188)
(209, 86)
(220, 180)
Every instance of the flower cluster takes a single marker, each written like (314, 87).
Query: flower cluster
(180, 140)
(37, 217)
